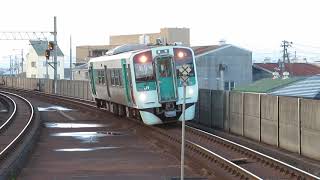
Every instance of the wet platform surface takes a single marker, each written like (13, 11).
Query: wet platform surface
(79, 145)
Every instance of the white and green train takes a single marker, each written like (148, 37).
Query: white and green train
(143, 82)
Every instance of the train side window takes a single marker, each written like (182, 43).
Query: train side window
(98, 77)
(112, 77)
(116, 77)
(102, 77)
(120, 76)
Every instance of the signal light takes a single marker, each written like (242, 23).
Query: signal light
(50, 45)
(47, 54)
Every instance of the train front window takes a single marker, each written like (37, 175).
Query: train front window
(183, 56)
(143, 67)
(164, 68)
(144, 72)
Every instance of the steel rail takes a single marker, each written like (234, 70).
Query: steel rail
(4, 151)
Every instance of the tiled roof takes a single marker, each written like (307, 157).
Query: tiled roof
(295, 69)
(203, 49)
(41, 46)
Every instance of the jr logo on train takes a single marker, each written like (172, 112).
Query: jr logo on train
(143, 82)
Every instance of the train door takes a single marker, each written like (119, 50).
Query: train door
(92, 79)
(126, 80)
(165, 79)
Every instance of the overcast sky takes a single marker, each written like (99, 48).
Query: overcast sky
(257, 25)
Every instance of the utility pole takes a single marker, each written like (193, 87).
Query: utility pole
(19, 64)
(54, 87)
(10, 66)
(285, 56)
(22, 61)
(16, 64)
(222, 68)
(70, 58)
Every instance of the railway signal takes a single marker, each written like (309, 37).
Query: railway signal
(47, 54)
(51, 46)
(184, 76)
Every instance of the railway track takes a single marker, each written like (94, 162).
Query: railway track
(220, 155)
(261, 165)
(15, 127)
(7, 109)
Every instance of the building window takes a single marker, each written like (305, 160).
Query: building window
(229, 85)
(33, 76)
(45, 76)
(44, 63)
(232, 85)
(33, 64)
(86, 75)
(226, 85)
(58, 76)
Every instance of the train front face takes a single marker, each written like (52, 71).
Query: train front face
(158, 87)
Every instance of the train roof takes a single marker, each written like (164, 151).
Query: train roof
(125, 52)
(125, 55)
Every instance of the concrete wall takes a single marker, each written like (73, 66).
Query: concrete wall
(236, 113)
(288, 124)
(172, 35)
(78, 89)
(132, 38)
(251, 118)
(218, 108)
(310, 128)
(80, 74)
(205, 107)
(269, 119)
(83, 53)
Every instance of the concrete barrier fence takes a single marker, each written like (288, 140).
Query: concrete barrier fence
(310, 128)
(236, 113)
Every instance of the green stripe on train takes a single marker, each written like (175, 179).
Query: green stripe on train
(125, 79)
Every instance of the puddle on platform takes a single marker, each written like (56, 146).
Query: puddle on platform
(85, 149)
(73, 125)
(86, 137)
(54, 108)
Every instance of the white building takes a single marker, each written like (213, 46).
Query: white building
(36, 63)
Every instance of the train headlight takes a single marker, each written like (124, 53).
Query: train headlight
(143, 59)
(180, 54)
(190, 92)
(143, 97)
